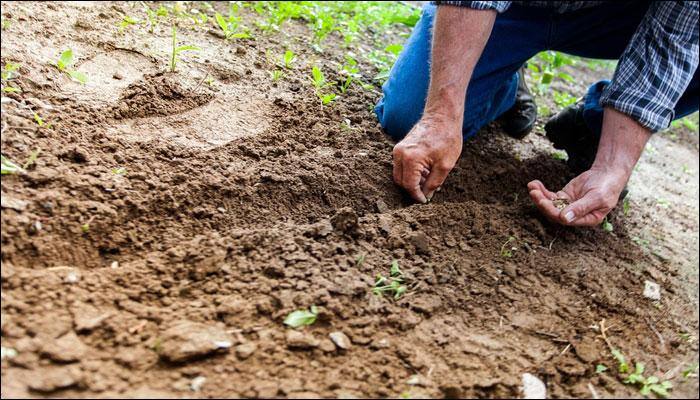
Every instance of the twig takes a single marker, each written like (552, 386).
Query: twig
(594, 394)
(662, 342)
(568, 346)
(603, 329)
(200, 82)
(551, 243)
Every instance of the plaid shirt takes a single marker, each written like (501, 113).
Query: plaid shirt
(657, 65)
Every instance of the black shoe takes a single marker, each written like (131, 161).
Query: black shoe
(568, 131)
(520, 119)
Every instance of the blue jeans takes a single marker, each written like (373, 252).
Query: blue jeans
(518, 34)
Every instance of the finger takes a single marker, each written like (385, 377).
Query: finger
(582, 208)
(437, 176)
(410, 180)
(545, 205)
(537, 185)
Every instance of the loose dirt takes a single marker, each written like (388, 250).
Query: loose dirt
(168, 227)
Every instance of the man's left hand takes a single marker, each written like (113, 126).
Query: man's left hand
(590, 197)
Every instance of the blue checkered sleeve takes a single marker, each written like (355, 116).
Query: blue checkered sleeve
(499, 6)
(657, 65)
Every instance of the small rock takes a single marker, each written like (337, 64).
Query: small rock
(533, 387)
(7, 352)
(118, 76)
(326, 346)
(299, 340)
(186, 340)
(345, 220)
(72, 276)
(652, 290)
(114, 265)
(340, 339)
(67, 348)
(381, 206)
(47, 381)
(320, 229)
(7, 201)
(420, 242)
(196, 384)
(245, 350)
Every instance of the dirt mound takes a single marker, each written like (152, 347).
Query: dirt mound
(158, 95)
(136, 240)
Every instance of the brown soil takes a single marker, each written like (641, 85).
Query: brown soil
(245, 200)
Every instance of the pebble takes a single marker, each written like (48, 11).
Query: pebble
(340, 340)
(326, 346)
(197, 383)
(13, 203)
(118, 76)
(187, 340)
(420, 242)
(533, 387)
(299, 340)
(47, 381)
(652, 290)
(381, 206)
(245, 350)
(67, 348)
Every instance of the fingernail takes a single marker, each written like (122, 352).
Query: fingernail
(569, 216)
(429, 196)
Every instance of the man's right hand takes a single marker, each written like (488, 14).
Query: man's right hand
(426, 155)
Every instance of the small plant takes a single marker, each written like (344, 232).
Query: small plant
(507, 251)
(9, 72)
(351, 72)
(232, 25)
(626, 206)
(9, 167)
(689, 371)
(288, 59)
(32, 159)
(320, 83)
(154, 15)
(177, 50)
(606, 225)
(119, 171)
(600, 368)
(299, 318)
(276, 75)
(64, 64)
(126, 22)
(563, 99)
(648, 384)
(560, 155)
(622, 365)
(394, 284)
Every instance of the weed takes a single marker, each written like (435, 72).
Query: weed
(154, 15)
(626, 206)
(276, 75)
(232, 25)
(327, 98)
(350, 71)
(9, 72)
(126, 22)
(360, 260)
(560, 155)
(9, 167)
(606, 225)
(299, 318)
(32, 159)
(177, 50)
(394, 284)
(288, 59)
(320, 83)
(64, 64)
(646, 385)
(507, 252)
(689, 371)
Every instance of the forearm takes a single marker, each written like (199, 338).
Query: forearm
(621, 144)
(459, 37)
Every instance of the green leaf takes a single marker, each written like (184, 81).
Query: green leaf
(78, 76)
(222, 23)
(600, 368)
(394, 49)
(8, 167)
(546, 78)
(288, 58)
(639, 368)
(66, 60)
(395, 270)
(607, 226)
(299, 318)
(623, 366)
(317, 76)
(326, 99)
(186, 48)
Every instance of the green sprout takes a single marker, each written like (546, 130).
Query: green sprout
(299, 318)
(177, 50)
(232, 25)
(560, 155)
(507, 252)
(626, 206)
(9, 167)
(647, 385)
(600, 368)
(64, 64)
(127, 21)
(320, 83)
(691, 370)
(9, 72)
(394, 284)
(288, 59)
(606, 225)
(351, 72)
(32, 159)
(276, 75)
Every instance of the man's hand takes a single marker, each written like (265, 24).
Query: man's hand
(590, 197)
(594, 193)
(428, 153)
(425, 156)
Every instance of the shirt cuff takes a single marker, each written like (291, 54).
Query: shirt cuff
(641, 107)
